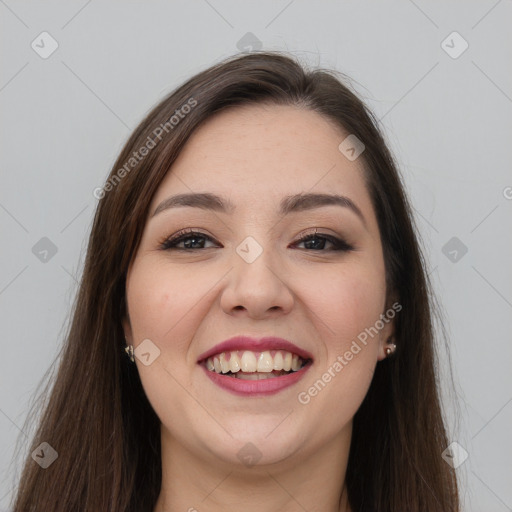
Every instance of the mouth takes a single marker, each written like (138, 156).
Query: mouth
(252, 365)
(251, 368)
(255, 367)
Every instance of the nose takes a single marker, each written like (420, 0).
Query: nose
(258, 289)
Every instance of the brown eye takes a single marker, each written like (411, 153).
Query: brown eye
(191, 239)
(317, 241)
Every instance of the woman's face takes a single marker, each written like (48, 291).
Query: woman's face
(247, 273)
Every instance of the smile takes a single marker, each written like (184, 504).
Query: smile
(254, 365)
(245, 372)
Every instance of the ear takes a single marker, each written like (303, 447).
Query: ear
(387, 333)
(127, 328)
(125, 322)
(125, 315)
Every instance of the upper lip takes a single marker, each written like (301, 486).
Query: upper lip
(256, 345)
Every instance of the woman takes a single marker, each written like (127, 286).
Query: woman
(253, 253)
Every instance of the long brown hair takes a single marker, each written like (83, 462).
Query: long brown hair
(97, 416)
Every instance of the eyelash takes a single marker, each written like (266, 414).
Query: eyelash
(170, 243)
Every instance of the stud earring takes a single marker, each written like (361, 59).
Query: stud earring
(390, 349)
(129, 350)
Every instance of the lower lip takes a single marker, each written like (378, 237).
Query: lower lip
(256, 387)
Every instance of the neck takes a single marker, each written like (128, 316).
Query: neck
(194, 482)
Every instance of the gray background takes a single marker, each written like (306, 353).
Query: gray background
(448, 121)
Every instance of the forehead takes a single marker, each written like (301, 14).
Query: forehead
(259, 153)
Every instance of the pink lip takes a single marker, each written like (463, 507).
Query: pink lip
(256, 387)
(255, 345)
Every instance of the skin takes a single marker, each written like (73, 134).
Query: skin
(187, 302)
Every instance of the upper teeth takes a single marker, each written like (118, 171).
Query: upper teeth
(248, 361)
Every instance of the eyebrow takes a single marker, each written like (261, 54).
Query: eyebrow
(289, 204)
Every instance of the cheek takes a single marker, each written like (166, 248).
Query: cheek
(346, 301)
(160, 300)
(163, 308)
(350, 302)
